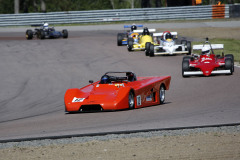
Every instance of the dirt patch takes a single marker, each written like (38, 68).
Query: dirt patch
(220, 146)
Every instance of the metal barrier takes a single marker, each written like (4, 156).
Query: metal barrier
(94, 16)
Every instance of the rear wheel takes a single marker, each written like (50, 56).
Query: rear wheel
(232, 57)
(131, 102)
(119, 39)
(65, 33)
(184, 42)
(189, 48)
(229, 65)
(130, 44)
(151, 50)
(161, 94)
(185, 67)
(29, 34)
(147, 48)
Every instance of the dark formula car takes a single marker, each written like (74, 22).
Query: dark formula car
(44, 32)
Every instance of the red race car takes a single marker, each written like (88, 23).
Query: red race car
(117, 91)
(207, 63)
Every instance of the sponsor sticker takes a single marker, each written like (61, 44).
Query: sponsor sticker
(75, 99)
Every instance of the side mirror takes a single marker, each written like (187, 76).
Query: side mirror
(91, 81)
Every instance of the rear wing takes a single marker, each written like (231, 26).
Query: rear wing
(160, 34)
(129, 26)
(213, 46)
(141, 30)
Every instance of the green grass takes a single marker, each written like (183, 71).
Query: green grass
(231, 46)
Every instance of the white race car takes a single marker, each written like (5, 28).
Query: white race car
(168, 45)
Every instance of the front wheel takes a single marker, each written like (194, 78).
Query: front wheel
(161, 94)
(131, 103)
(130, 44)
(29, 34)
(147, 48)
(119, 39)
(151, 50)
(185, 67)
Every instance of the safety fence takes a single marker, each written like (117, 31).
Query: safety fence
(95, 16)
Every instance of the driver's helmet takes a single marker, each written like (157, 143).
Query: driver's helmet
(105, 79)
(133, 27)
(131, 76)
(146, 31)
(168, 36)
(206, 50)
(45, 26)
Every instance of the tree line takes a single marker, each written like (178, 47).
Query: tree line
(31, 6)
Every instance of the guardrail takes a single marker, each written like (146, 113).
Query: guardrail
(94, 16)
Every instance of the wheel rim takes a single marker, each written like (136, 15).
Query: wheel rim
(131, 100)
(162, 94)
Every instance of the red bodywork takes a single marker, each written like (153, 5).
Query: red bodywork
(114, 96)
(207, 63)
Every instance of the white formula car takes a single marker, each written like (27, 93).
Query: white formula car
(168, 45)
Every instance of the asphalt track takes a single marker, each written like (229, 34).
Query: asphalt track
(35, 75)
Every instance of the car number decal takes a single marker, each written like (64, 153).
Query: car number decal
(139, 103)
(75, 99)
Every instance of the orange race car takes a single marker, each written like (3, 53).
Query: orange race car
(117, 91)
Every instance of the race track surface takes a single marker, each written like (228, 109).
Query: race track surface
(36, 73)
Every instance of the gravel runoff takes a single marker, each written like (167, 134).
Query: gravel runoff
(163, 133)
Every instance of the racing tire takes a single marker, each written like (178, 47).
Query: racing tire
(189, 48)
(151, 50)
(229, 65)
(65, 33)
(187, 58)
(184, 42)
(130, 44)
(232, 57)
(29, 34)
(42, 34)
(131, 102)
(161, 94)
(147, 48)
(119, 39)
(185, 67)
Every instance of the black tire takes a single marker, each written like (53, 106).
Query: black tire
(232, 57)
(119, 39)
(185, 67)
(147, 48)
(130, 44)
(189, 48)
(42, 34)
(229, 65)
(184, 42)
(187, 58)
(161, 94)
(131, 102)
(151, 50)
(65, 33)
(29, 34)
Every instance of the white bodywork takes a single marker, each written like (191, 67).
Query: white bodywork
(169, 47)
(141, 30)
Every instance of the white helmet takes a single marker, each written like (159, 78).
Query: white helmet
(45, 25)
(206, 50)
